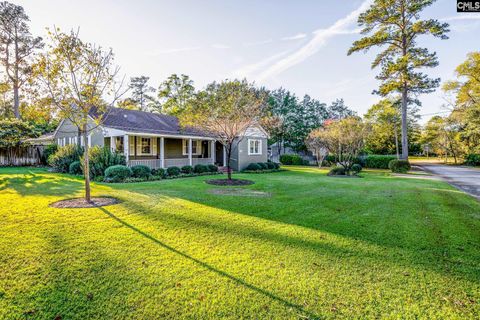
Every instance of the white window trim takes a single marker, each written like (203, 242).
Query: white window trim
(198, 149)
(259, 147)
(141, 153)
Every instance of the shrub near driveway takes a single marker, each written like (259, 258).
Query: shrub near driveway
(378, 161)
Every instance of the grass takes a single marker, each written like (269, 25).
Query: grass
(316, 247)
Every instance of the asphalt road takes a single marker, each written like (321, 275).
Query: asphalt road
(464, 178)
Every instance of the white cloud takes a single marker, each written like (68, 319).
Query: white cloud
(173, 50)
(220, 46)
(312, 47)
(298, 36)
(249, 70)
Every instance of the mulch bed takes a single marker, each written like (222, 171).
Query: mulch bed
(81, 203)
(232, 182)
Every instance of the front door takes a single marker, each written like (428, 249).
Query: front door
(219, 154)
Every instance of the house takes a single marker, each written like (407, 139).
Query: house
(158, 141)
(274, 153)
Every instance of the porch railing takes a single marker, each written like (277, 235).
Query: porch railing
(152, 163)
(180, 162)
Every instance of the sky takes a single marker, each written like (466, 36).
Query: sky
(300, 45)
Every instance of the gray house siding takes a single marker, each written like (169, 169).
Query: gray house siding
(240, 157)
(68, 132)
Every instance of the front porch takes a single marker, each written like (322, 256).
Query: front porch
(157, 151)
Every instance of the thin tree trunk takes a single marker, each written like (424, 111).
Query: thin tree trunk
(86, 168)
(229, 170)
(16, 101)
(404, 124)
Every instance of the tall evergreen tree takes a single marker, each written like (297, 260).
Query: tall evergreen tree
(396, 24)
(140, 92)
(17, 45)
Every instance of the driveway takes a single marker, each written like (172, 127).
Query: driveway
(464, 178)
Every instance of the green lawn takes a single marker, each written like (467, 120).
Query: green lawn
(315, 247)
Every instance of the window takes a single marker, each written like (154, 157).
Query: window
(254, 147)
(146, 146)
(196, 147)
(118, 144)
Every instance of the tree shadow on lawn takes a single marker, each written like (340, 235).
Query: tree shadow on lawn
(72, 282)
(435, 259)
(398, 215)
(38, 183)
(213, 269)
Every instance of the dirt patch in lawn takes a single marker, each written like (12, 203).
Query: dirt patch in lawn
(232, 182)
(240, 192)
(81, 203)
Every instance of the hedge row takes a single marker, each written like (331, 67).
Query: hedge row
(262, 166)
(120, 173)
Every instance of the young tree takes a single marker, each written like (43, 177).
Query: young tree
(17, 46)
(79, 78)
(344, 138)
(316, 144)
(225, 110)
(175, 93)
(443, 135)
(140, 92)
(396, 24)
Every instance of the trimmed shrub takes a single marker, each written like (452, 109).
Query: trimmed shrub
(173, 171)
(75, 168)
(276, 165)
(378, 161)
(263, 166)
(99, 178)
(212, 168)
(253, 167)
(472, 159)
(356, 168)
(291, 159)
(270, 165)
(187, 169)
(117, 173)
(160, 172)
(47, 152)
(200, 168)
(337, 171)
(329, 160)
(100, 158)
(61, 160)
(399, 166)
(141, 171)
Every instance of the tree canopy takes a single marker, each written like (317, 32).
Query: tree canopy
(396, 25)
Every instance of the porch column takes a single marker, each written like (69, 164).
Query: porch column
(190, 152)
(126, 147)
(212, 150)
(224, 155)
(162, 152)
(112, 144)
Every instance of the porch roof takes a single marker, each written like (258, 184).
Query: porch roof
(146, 122)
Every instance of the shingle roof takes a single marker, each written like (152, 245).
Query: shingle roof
(146, 122)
